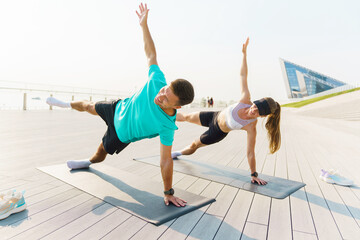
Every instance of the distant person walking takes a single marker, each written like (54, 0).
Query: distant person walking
(240, 116)
(148, 113)
(211, 102)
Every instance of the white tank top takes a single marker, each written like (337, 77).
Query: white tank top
(233, 121)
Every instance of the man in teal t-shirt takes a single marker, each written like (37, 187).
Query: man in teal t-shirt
(148, 113)
(140, 117)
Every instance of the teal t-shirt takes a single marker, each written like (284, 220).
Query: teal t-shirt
(138, 117)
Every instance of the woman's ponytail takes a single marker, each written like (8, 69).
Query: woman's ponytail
(273, 127)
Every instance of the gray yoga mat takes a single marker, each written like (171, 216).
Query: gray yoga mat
(277, 187)
(136, 195)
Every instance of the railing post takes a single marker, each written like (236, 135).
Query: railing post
(25, 102)
(50, 108)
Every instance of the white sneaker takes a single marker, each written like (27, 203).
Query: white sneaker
(12, 204)
(4, 194)
(334, 177)
(322, 174)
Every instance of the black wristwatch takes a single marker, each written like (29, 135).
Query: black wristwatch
(254, 174)
(169, 192)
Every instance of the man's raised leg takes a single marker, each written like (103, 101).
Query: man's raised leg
(83, 106)
(58, 103)
(80, 106)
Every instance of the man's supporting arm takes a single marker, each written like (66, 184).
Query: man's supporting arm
(149, 45)
(166, 165)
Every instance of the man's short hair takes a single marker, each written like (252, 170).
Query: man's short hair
(183, 90)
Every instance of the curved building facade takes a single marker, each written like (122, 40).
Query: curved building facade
(302, 82)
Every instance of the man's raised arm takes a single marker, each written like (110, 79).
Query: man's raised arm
(148, 42)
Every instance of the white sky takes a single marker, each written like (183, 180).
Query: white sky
(98, 44)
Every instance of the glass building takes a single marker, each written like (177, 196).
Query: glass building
(302, 82)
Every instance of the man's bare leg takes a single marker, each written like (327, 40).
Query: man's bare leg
(99, 156)
(83, 106)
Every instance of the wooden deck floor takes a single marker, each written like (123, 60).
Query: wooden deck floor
(59, 211)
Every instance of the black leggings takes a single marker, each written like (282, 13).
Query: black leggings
(214, 133)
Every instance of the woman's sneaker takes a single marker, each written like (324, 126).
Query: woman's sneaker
(332, 176)
(4, 194)
(12, 204)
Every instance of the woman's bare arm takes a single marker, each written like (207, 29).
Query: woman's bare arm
(244, 90)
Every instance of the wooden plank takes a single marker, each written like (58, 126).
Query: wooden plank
(60, 220)
(198, 186)
(301, 216)
(254, 231)
(186, 182)
(303, 236)
(104, 226)
(259, 212)
(280, 226)
(207, 226)
(351, 201)
(82, 223)
(126, 229)
(223, 201)
(260, 207)
(234, 221)
(32, 188)
(11, 184)
(55, 191)
(36, 219)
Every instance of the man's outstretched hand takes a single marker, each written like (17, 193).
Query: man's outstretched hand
(143, 14)
(174, 200)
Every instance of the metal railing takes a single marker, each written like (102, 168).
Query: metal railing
(10, 92)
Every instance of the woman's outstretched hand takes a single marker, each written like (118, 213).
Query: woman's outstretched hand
(258, 181)
(245, 46)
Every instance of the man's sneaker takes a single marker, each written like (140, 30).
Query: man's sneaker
(332, 176)
(12, 204)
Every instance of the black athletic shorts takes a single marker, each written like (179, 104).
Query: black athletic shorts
(214, 133)
(111, 142)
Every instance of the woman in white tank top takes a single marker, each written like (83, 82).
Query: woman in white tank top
(240, 116)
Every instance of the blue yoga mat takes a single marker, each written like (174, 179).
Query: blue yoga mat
(137, 195)
(277, 187)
